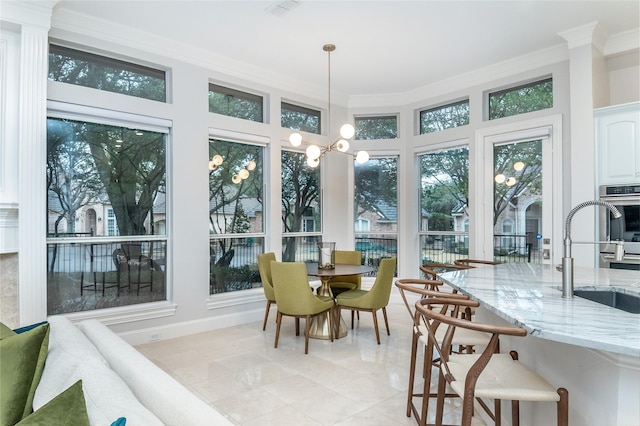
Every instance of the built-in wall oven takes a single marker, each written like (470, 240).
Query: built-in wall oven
(626, 198)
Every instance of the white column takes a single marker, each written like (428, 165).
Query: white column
(32, 194)
(585, 46)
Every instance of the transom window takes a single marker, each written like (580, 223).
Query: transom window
(521, 99)
(103, 73)
(444, 117)
(235, 103)
(301, 118)
(379, 127)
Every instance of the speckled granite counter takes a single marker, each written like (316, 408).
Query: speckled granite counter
(529, 296)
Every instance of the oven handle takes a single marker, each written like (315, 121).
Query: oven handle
(625, 200)
(627, 258)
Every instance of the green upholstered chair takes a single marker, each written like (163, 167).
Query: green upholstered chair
(346, 282)
(264, 266)
(295, 298)
(374, 299)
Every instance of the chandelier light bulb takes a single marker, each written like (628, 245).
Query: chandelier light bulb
(244, 173)
(236, 179)
(518, 166)
(217, 159)
(500, 178)
(347, 131)
(342, 145)
(313, 151)
(511, 181)
(313, 162)
(251, 165)
(295, 138)
(362, 157)
(212, 165)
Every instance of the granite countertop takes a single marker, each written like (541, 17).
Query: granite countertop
(529, 296)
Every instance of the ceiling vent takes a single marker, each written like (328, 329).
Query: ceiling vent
(281, 8)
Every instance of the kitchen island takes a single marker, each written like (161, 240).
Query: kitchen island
(591, 349)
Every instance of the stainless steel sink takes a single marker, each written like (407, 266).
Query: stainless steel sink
(616, 299)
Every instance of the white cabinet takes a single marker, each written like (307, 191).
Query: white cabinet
(618, 144)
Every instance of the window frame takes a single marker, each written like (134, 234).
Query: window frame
(357, 118)
(442, 106)
(294, 107)
(125, 64)
(241, 94)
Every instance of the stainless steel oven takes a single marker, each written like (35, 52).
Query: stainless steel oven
(626, 198)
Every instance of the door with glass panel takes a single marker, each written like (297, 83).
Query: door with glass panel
(520, 217)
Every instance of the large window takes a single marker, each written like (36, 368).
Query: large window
(236, 224)
(378, 127)
(301, 213)
(100, 72)
(301, 118)
(235, 103)
(521, 99)
(104, 181)
(444, 198)
(444, 117)
(376, 208)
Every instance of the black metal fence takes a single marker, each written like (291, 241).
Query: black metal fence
(446, 248)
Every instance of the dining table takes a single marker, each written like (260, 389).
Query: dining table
(319, 328)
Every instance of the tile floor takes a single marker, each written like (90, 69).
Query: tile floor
(352, 381)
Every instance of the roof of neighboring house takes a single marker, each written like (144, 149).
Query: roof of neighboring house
(251, 206)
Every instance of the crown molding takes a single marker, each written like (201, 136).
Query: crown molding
(32, 13)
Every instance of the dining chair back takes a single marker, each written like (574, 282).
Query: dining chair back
(374, 299)
(264, 267)
(346, 282)
(295, 298)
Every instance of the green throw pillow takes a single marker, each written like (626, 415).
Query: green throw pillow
(22, 358)
(66, 409)
(5, 331)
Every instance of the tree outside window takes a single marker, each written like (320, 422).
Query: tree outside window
(235, 214)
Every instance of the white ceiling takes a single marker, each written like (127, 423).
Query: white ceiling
(383, 47)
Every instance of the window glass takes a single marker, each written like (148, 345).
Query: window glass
(376, 208)
(235, 103)
(518, 100)
(236, 213)
(444, 117)
(444, 198)
(104, 181)
(296, 117)
(301, 211)
(100, 72)
(383, 127)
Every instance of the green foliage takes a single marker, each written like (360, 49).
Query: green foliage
(126, 165)
(300, 118)
(232, 106)
(444, 180)
(519, 100)
(368, 128)
(444, 117)
(376, 181)
(102, 73)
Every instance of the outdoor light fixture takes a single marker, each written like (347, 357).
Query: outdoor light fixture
(347, 131)
(501, 178)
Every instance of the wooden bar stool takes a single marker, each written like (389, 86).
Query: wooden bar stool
(486, 375)
(465, 340)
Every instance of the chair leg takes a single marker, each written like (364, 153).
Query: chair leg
(266, 315)
(278, 322)
(352, 314)
(297, 326)
(412, 372)
(307, 325)
(563, 407)
(332, 319)
(515, 413)
(440, 399)
(386, 321)
(375, 324)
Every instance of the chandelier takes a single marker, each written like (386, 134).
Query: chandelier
(314, 152)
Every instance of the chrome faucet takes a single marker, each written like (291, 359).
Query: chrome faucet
(567, 260)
